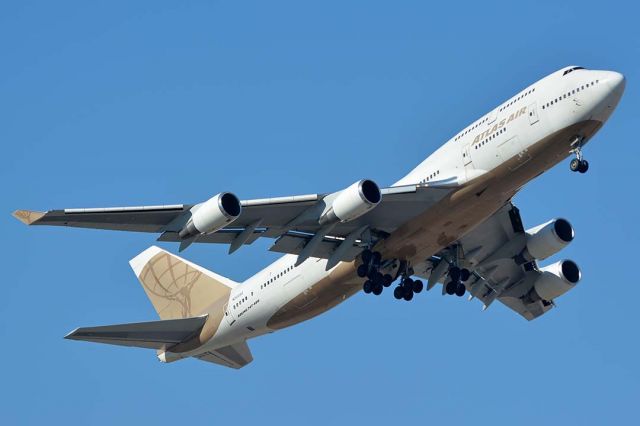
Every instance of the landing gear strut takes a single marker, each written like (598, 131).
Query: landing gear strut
(578, 164)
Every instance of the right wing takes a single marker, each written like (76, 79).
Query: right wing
(292, 220)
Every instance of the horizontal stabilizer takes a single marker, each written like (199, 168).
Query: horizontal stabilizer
(235, 356)
(150, 335)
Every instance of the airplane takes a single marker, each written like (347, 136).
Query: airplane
(449, 221)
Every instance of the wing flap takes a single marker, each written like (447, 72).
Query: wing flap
(294, 243)
(149, 335)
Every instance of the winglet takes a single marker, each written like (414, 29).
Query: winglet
(28, 217)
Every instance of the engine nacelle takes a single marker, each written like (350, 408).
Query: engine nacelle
(556, 279)
(353, 202)
(549, 238)
(212, 215)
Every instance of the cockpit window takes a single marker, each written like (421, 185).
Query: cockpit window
(572, 69)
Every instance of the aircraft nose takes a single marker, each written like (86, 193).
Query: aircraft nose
(616, 82)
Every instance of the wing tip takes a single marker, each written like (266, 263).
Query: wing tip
(72, 334)
(28, 217)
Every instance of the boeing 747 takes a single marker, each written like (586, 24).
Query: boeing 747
(449, 221)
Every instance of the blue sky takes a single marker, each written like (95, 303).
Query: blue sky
(114, 103)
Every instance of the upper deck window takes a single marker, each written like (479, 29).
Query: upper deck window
(572, 69)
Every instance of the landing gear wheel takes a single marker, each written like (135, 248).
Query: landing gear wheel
(367, 286)
(398, 292)
(378, 279)
(450, 288)
(464, 274)
(408, 296)
(388, 279)
(417, 286)
(366, 256)
(362, 271)
(454, 273)
(460, 290)
(407, 289)
(377, 289)
(584, 166)
(574, 165)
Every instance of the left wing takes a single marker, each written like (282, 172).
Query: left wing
(293, 220)
(495, 253)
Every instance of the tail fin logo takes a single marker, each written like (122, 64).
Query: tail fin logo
(178, 288)
(170, 280)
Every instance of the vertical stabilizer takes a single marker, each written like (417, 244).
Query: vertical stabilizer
(178, 288)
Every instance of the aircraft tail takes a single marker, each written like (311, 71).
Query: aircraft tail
(191, 303)
(178, 288)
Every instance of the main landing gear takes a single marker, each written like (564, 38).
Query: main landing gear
(578, 164)
(377, 281)
(407, 288)
(457, 277)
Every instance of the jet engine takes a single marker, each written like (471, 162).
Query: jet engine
(556, 279)
(549, 238)
(212, 215)
(353, 202)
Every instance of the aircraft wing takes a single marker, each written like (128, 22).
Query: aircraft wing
(490, 250)
(292, 220)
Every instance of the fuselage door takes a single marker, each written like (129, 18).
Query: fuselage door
(492, 117)
(533, 113)
(228, 313)
(466, 155)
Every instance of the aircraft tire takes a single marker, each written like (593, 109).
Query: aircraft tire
(398, 293)
(362, 271)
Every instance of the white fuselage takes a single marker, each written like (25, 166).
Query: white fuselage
(556, 102)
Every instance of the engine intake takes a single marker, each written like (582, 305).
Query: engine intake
(212, 215)
(549, 238)
(556, 279)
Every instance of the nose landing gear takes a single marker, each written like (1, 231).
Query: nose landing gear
(578, 164)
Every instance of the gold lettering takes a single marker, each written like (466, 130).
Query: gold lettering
(511, 117)
(501, 123)
(476, 139)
